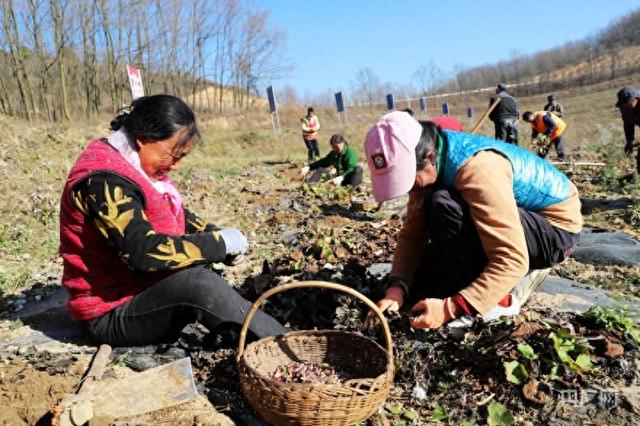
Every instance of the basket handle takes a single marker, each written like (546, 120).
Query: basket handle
(314, 284)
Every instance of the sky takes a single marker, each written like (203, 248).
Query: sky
(328, 41)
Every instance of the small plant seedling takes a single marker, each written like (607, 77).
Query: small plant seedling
(499, 415)
(614, 320)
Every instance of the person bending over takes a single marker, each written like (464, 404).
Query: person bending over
(343, 158)
(481, 214)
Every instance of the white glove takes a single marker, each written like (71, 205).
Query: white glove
(304, 171)
(337, 180)
(234, 241)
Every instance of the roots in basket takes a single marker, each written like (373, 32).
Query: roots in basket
(307, 372)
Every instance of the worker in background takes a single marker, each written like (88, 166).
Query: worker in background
(553, 106)
(481, 214)
(547, 129)
(310, 127)
(629, 105)
(343, 158)
(505, 115)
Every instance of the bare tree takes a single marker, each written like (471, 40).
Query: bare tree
(86, 13)
(34, 23)
(57, 10)
(111, 62)
(428, 77)
(12, 39)
(367, 83)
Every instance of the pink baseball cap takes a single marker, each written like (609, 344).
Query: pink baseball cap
(390, 150)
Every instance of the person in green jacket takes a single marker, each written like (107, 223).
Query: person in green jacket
(343, 158)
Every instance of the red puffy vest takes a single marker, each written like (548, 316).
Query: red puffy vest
(95, 276)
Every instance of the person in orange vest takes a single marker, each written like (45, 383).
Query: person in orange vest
(550, 125)
(310, 127)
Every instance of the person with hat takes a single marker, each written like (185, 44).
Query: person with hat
(481, 214)
(553, 106)
(343, 158)
(629, 106)
(551, 127)
(505, 115)
(310, 127)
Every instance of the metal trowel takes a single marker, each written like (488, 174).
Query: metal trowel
(160, 387)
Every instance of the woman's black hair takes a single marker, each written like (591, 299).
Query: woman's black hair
(337, 138)
(428, 142)
(158, 117)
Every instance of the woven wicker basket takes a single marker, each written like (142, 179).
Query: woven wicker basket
(316, 404)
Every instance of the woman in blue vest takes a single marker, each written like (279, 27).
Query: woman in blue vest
(481, 214)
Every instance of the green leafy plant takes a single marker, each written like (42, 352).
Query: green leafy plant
(515, 372)
(614, 320)
(15, 324)
(440, 414)
(401, 412)
(321, 249)
(122, 358)
(527, 351)
(567, 348)
(499, 415)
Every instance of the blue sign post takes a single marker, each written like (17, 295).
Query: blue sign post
(273, 107)
(272, 99)
(342, 111)
(339, 102)
(390, 104)
(445, 108)
(470, 114)
(423, 106)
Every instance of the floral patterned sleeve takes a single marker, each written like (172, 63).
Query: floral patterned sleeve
(194, 224)
(116, 206)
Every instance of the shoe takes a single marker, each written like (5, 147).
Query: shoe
(500, 311)
(519, 296)
(529, 283)
(495, 313)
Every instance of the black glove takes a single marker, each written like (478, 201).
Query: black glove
(543, 151)
(628, 148)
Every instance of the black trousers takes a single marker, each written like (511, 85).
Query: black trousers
(354, 178)
(506, 130)
(559, 144)
(312, 149)
(160, 312)
(454, 255)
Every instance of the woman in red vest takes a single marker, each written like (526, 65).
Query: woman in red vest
(133, 255)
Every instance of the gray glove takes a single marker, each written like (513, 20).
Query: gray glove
(234, 241)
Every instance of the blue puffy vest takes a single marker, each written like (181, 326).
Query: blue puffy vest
(536, 183)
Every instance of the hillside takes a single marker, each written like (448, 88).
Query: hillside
(610, 53)
(210, 98)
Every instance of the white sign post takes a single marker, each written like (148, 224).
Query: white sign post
(135, 81)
